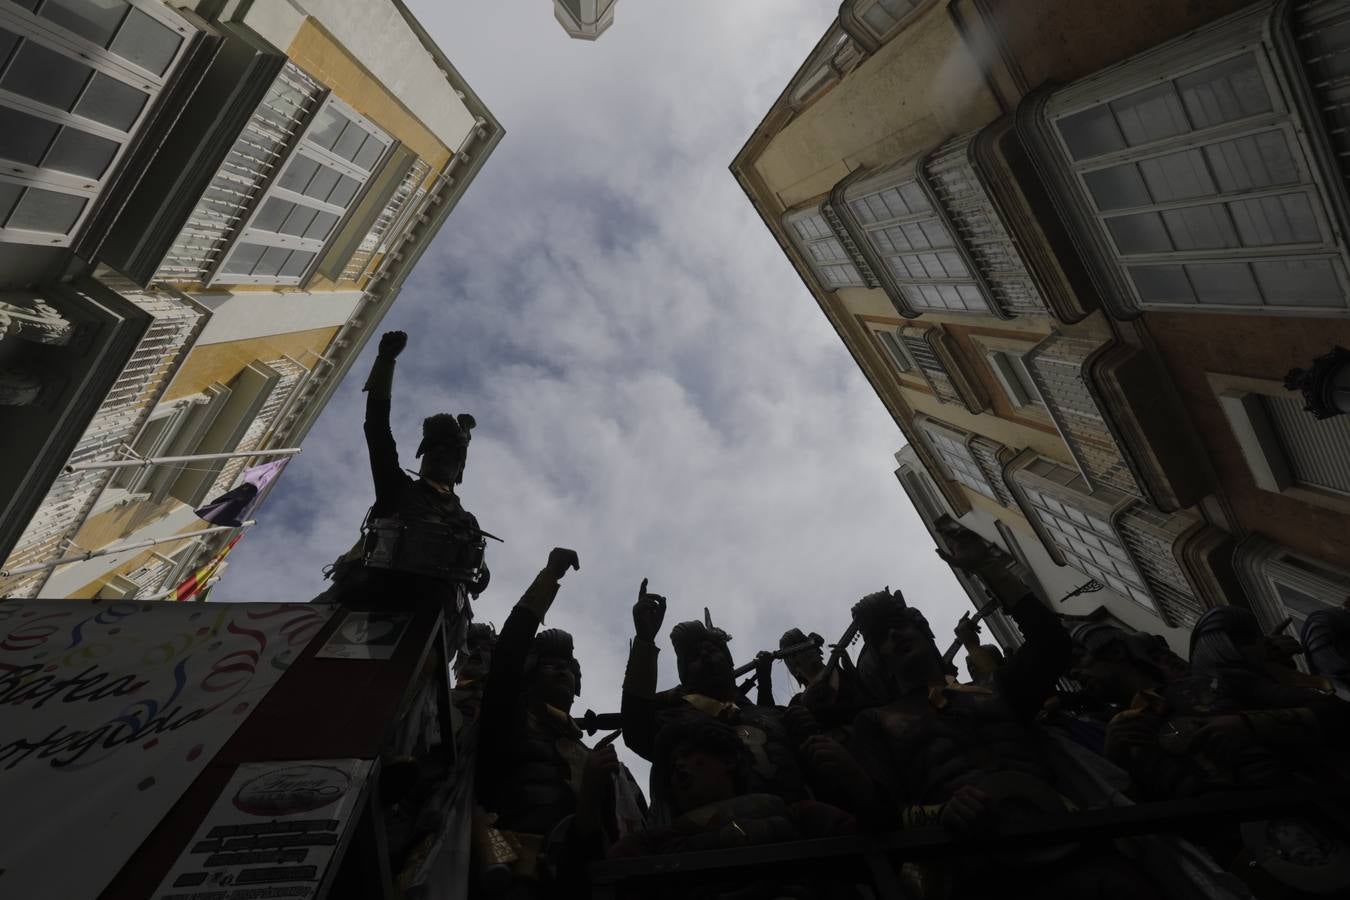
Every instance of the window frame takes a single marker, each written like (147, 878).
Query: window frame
(1021, 390)
(894, 177)
(892, 348)
(1264, 566)
(1247, 33)
(1100, 506)
(804, 244)
(304, 146)
(29, 26)
(937, 435)
(1240, 400)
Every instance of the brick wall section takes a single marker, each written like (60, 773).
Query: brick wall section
(1150, 536)
(953, 179)
(1056, 365)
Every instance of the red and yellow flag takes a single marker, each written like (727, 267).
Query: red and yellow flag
(197, 582)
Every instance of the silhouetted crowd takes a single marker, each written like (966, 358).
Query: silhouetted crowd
(1071, 723)
(1076, 718)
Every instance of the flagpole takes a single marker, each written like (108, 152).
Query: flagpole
(159, 460)
(108, 551)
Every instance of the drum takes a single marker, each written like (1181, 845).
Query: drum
(434, 549)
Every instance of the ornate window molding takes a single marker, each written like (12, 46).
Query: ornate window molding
(873, 22)
(1205, 189)
(837, 54)
(1287, 450)
(1281, 583)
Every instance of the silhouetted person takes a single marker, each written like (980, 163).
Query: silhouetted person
(418, 543)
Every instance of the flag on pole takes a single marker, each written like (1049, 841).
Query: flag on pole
(235, 505)
(199, 581)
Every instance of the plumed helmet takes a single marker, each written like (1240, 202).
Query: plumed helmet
(686, 636)
(444, 428)
(873, 612)
(556, 644)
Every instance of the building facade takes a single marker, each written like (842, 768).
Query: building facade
(1076, 254)
(211, 205)
(584, 20)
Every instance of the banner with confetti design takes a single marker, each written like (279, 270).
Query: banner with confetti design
(109, 710)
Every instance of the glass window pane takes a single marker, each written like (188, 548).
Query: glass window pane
(914, 197)
(347, 146)
(325, 179)
(1161, 284)
(296, 264)
(1200, 227)
(41, 210)
(936, 233)
(81, 154)
(8, 41)
(146, 42)
(272, 260)
(243, 258)
(95, 20)
(1177, 176)
(1299, 282)
(327, 128)
(272, 214)
(1224, 92)
(1118, 187)
(9, 195)
(1150, 115)
(45, 76)
(111, 102)
(370, 153)
(952, 265)
(346, 189)
(26, 137)
(1284, 219)
(298, 173)
(1091, 132)
(1140, 233)
(298, 221)
(1228, 283)
(320, 227)
(1253, 161)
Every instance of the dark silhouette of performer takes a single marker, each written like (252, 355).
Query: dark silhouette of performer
(418, 542)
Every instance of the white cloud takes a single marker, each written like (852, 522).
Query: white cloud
(653, 384)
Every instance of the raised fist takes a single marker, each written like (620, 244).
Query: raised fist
(392, 343)
(560, 559)
(648, 613)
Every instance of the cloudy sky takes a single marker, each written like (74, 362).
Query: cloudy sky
(653, 384)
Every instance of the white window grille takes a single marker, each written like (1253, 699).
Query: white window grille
(823, 249)
(952, 448)
(1076, 521)
(406, 200)
(292, 374)
(119, 418)
(300, 211)
(1201, 187)
(77, 80)
(909, 235)
(1286, 448)
(248, 167)
(1017, 383)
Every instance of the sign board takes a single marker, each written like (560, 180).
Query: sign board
(274, 831)
(109, 711)
(365, 635)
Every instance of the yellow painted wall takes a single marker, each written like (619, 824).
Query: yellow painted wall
(317, 52)
(221, 362)
(919, 89)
